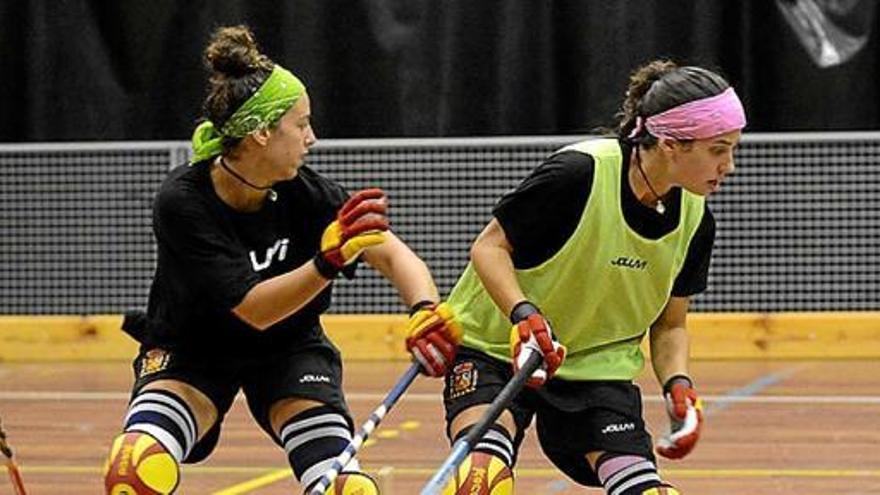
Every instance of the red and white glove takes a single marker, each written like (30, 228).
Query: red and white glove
(685, 411)
(433, 336)
(531, 332)
(359, 224)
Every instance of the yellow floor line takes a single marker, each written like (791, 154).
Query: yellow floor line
(247, 486)
(773, 473)
(215, 470)
(691, 473)
(278, 474)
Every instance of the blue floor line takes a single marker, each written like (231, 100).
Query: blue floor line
(557, 486)
(749, 390)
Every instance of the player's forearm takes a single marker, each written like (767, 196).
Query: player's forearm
(404, 269)
(272, 300)
(413, 281)
(494, 266)
(669, 351)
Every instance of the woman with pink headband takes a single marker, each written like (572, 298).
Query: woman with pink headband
(600, 246)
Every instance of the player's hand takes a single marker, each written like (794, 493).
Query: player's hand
(359, 224)
(532, 331)
(685, 411)
(433, 336)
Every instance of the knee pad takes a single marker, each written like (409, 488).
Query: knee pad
(352, 484)
(662, 490)
(140, 465)
(481, 474)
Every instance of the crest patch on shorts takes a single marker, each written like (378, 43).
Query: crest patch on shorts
(464, 379)
(154, 360)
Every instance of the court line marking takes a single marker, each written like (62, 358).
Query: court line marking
(715, 404)
(689, 473)
(422, 397)
(247, 486)
(521, 472)
(749, 391)
(279, 474)
(210, 470)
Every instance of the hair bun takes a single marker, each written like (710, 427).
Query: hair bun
(233, 52)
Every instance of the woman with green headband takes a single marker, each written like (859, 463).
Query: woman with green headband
(249, 241)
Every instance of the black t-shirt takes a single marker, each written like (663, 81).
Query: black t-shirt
(544, 210)
(210, 256)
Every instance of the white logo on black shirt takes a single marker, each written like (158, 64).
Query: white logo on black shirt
(618, 428)
(280, 247)
(309, 378)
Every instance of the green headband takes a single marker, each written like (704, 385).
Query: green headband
(263, 109)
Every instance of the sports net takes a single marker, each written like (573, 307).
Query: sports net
(798, 226)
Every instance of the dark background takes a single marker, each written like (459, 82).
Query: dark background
(131, 70)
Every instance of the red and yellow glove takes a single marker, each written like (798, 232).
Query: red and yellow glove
(359, 224)
(685, 411)
(433, 337)
(531, 332)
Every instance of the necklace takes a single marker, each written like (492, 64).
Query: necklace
(272, 194)
(658, 206)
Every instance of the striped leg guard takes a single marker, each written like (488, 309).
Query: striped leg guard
(630, 475)
(167, 418)
(496, 442)
(160, 431)
(312, 439)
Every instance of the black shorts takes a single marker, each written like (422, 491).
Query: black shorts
(574, 418)
(310, 371)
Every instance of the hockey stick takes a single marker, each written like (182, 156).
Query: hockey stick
(11, 466)
(375, 418)
(462, 447)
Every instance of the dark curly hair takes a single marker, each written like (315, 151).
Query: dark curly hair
(238, 69)
(658, 86)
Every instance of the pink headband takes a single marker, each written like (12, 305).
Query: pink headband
(698, 119)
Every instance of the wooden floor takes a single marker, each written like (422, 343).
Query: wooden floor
(783, 427)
